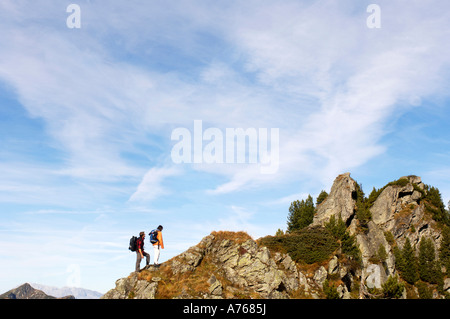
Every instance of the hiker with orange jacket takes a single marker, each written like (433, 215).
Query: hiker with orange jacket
(140, 253)
(157, 241)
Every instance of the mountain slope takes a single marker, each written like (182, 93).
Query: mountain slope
(222, 265)
(385, 246)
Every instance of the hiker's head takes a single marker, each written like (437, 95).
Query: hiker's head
(142, 234)
(160, 227)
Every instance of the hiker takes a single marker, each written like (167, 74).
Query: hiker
(157, 241)
(140, 253)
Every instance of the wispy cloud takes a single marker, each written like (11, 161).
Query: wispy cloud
(345, 82)
(151, 185)
(314, 70)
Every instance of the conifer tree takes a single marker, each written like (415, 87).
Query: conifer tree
(337, 228)
(393, 288)
(362, 211)
(444, 251)
(300, 214)
(399, 262)
(429, 269)
(409, 263)
(323, 194)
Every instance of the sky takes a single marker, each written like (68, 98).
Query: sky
(117, 117)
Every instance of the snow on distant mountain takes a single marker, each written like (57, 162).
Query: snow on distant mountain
(78, 293)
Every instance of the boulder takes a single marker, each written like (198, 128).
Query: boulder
(320, 276)
(333, 266)
(145, 289)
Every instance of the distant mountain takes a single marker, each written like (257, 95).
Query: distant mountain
(26, 291)
(78, 293)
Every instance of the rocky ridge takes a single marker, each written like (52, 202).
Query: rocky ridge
(233, 265)
(222, 265)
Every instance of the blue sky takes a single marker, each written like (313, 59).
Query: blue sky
(86, 117)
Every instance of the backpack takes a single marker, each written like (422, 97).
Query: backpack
(153, 236)
(133, 245)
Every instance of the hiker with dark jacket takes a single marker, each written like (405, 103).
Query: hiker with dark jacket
(140, 253)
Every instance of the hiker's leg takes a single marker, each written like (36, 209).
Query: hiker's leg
(138, 261)
(156, 250)
(147, 258)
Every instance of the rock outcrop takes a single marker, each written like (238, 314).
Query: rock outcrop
(233, 265)
(341, 201)
(397, 212)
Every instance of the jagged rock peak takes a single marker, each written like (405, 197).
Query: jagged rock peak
(341, 200)
(399, 210)
(395, 197)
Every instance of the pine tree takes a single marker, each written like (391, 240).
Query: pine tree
(339, 231)
(399, 262)
(279, 232)
(393, 288)
(435, 206)
(381, 253)
(426, 258)
(337, 228)
(323, 194)
(424, 291)
(300, 214)
(409, 263)
(373, 196)
(429, 269)
(444, 252)
(362, 210)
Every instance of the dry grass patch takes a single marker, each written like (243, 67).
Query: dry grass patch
(238, 237)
